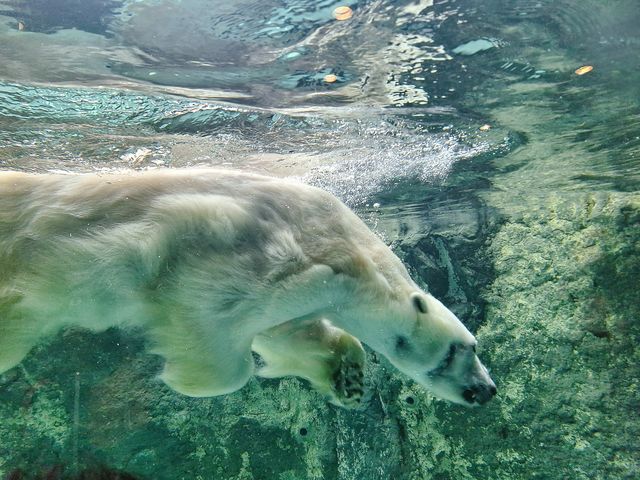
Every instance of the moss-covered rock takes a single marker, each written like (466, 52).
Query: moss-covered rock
(562, 339)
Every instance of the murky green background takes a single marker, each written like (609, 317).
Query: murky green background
(528, 227)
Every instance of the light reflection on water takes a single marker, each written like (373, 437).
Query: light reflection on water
(241, 84)
(262, 56)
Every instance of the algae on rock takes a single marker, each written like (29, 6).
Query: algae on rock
(563, 345)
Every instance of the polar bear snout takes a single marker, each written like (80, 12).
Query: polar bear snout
(479, 388)
(479, 393)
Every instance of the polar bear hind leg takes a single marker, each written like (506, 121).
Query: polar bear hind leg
(15, 344)
(313, 349)
(199, 367)
(17, 334)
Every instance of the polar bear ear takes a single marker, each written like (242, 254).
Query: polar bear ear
(419, 302)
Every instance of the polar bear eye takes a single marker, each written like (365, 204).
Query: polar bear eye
(402, 342)
(446, 361)
(453, 348)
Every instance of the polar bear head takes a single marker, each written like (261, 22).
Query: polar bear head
(370, 294)
(434, 348)
(426, 341)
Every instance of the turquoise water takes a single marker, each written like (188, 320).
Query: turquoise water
(458, 130)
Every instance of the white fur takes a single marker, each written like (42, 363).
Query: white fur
(209, 262)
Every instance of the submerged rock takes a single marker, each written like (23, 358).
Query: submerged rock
(561, 337)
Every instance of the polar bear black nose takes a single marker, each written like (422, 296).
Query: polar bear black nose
(479, 393)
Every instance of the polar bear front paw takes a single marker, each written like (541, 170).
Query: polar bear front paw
(347, 386)
(331, 359)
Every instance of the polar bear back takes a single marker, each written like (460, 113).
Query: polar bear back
(84, 248)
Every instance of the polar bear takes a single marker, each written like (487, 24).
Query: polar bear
(214, 265)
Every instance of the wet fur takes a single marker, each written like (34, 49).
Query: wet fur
(207, 262)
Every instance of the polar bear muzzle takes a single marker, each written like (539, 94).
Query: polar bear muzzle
(479, 393)
(461, 377)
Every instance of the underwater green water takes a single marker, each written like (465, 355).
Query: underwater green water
(508, 183)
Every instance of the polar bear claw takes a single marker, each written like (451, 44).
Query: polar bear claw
(348, 383)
